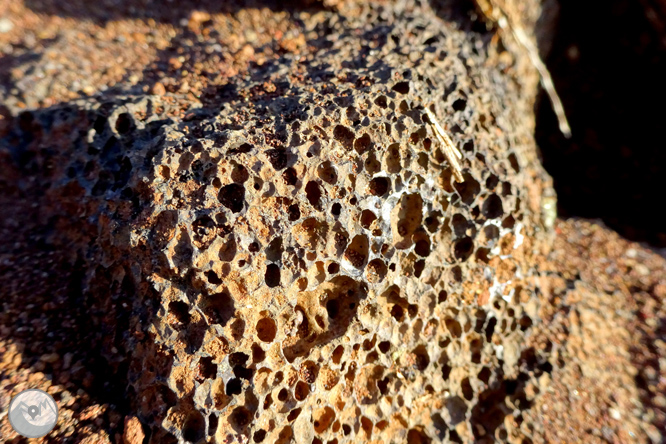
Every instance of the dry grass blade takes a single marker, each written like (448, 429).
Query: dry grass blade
(494, 12)
(450, 151)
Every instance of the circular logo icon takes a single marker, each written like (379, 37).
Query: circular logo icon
(33, 413)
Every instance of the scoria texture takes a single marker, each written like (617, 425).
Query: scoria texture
(293, 261)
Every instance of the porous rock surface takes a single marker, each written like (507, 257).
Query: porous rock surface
(297, 263)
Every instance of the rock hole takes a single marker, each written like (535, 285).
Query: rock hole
(290, 177)
(313, 194)
(293, 414)
(468, 189)
(272, 276)
(258, 354)
(440, 426)
(366, 425)
(232, 196)
(421, 358)
(378, 186)
(397, 312)
(491, 182)
(207, 369)
(240, 418)
(457, 409)
(371, 164)
(278, 158)
(381, 425)
(367, 218)
(213, 421)
(301, 391)
(454, 437)
(274, 250)
(219, 308)
(363, 143)
(467, 390)
(492, 207)
(212, 278)
(459, 105)
(417, 436)
(525, 322)
(506, 189)
(419, 266)
(392, 158)
(509, 222)
(194, 427)
(432, 222)
(412, 310)
(446, 371)
(203, 228)
(234, 387)
(259, 436)
(293, 213)
(476, 346)
(241, 149)
(463, 248)
(333, 308)
(344, 135)
(491, 232)
(327, 173)
(124, 124)
(266, 330)
(180, 311)
(484, 375)
(376, 271)
(357, 251)
(513, 160)
(239, 174)
(322, 419)
(401, 87)
(337, 354)
(406, 217)
(381, 101)
(384, 346)
(454, 327)
(268, 401)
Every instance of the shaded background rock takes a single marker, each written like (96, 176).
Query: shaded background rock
(610, 83)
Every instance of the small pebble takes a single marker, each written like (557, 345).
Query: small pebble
(158, 89)
(6, 25)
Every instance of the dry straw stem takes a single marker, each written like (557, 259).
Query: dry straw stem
(450, 151)
(493, 11)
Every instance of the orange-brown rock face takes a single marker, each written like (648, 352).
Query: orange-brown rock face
(297, 263)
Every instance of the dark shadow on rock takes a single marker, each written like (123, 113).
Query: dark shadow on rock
(75, 318)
